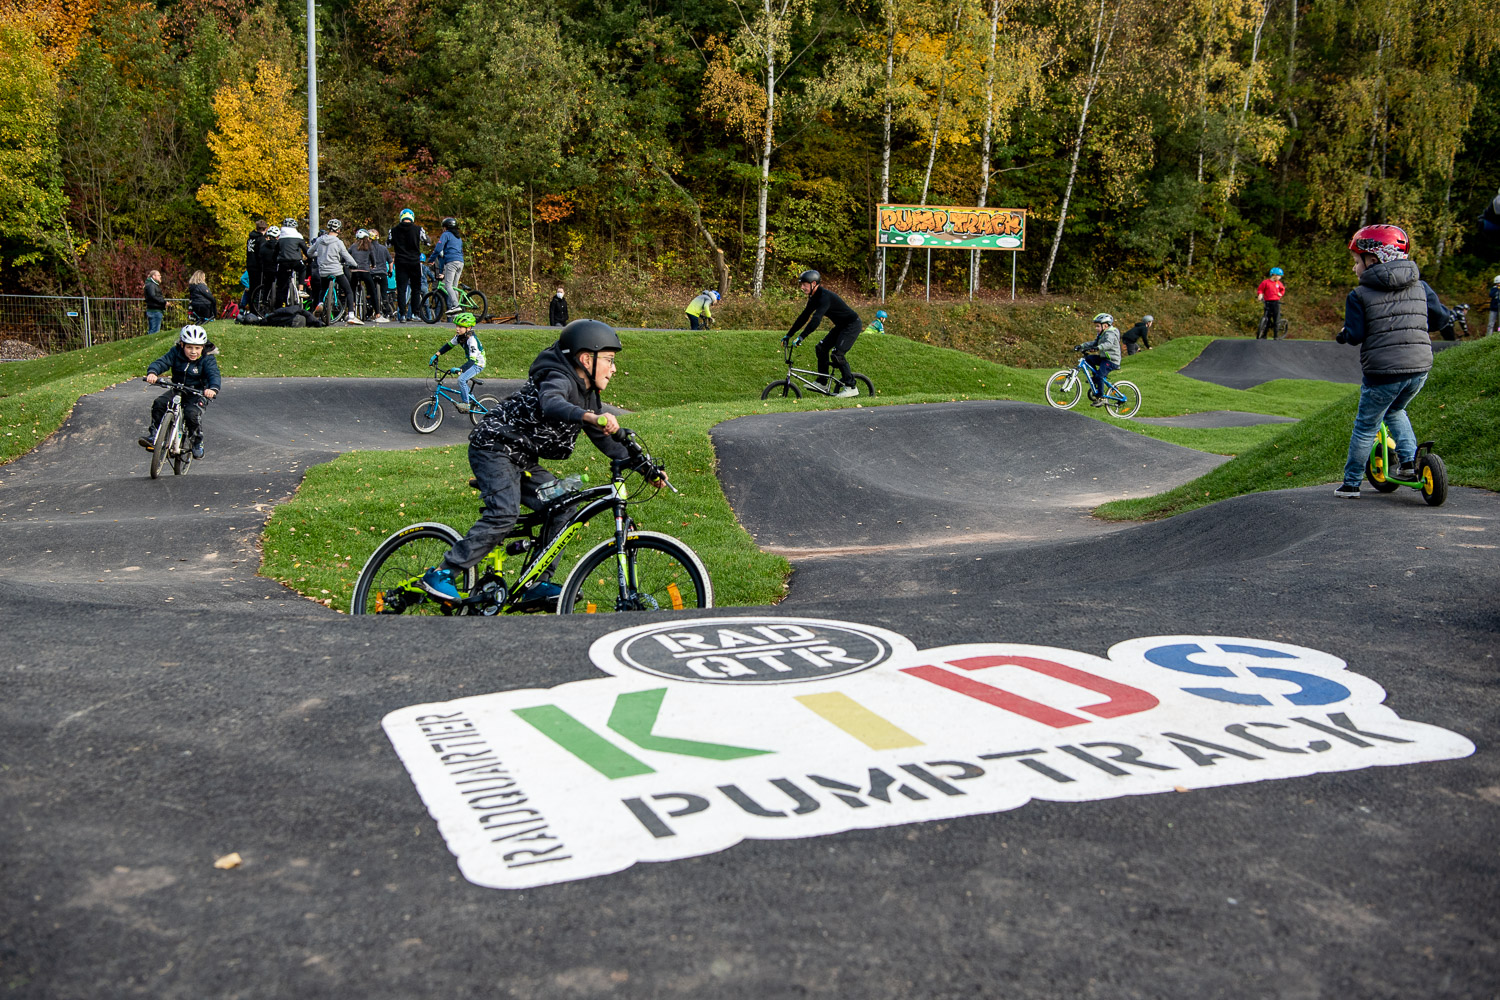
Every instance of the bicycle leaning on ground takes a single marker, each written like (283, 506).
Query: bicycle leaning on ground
(1278, 332)
(171, 434)
(1066, 387)
(634, 570)
(428, 416)
(434, 305)
(788, 386)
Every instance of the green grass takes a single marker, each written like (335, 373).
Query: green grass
(1459, 409)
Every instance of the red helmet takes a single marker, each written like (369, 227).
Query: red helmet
(1385, 242)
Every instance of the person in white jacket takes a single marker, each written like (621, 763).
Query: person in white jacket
(329, 259)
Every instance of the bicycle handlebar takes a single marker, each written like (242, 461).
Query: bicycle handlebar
(640, 459)
(169, 384)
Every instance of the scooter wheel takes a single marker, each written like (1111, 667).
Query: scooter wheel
(1377, 478)
(1434, 476)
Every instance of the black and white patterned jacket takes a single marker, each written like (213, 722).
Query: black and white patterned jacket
(543, 418)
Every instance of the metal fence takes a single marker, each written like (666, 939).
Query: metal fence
(53, 323)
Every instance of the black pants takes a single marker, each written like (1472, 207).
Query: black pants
(339, 281)
(832, 348)
(192, 413)
(1271, 320)
(408, 287)
(288, 273)
(372, 289)
(257, 278)
(1132, 346)
(503, 486)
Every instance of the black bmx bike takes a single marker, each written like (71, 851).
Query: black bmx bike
(808, 379)
(635, 570)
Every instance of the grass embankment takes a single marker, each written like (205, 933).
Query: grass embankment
(1459, 409)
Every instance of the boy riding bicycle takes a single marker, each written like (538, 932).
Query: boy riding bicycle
(1389, 315)
(473, 351)
(191, 362)
(836, 345)
(542, 420)
(1106, 343)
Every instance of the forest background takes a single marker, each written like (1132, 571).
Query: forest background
(640, 149)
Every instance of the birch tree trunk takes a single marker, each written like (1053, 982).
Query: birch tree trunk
(989, 124)
(887, 112)
(1234, 144)
(1102, 42)
(769, 42)
(937, 123)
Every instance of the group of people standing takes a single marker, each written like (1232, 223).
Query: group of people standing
(279, 259)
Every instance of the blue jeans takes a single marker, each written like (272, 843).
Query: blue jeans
(1099, 366)
(1376, 403)
(467, 372)
(153, 322)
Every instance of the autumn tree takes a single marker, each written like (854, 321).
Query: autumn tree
(259, 158)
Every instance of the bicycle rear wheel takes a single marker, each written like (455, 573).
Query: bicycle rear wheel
(863, 386)
(387, 585)
(428, 416)
(474, 301)
(182, 459)
(1065, 389)
(662, 573)
(781, 390)
(1127, 408)
(489, 403)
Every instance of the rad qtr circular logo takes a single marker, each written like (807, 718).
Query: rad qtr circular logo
(749, 650)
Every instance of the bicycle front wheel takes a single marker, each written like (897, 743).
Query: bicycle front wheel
(863, 385)
(428, 416)
(388, 583)
(1065, 389)
(662, 574)
(166, 431)
(1129, 406)
(434, 306)
(489, 404)
(781, 390)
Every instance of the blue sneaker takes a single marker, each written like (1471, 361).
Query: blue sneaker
(438, 582)
(542, 591)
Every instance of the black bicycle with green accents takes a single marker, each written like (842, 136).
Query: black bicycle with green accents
(634, 570)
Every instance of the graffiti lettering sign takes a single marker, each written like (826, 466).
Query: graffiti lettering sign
(947, 227)
(712, 731)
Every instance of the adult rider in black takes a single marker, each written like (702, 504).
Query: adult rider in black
(836, 344)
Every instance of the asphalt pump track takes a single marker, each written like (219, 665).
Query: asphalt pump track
(163, 706)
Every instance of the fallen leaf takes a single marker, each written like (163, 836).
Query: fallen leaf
(231, 860)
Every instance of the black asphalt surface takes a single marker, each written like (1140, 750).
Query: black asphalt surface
(141, 739)
(1244, 364)
(1218, 418)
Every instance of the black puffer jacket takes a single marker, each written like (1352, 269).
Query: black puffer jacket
(200, 374)
(1389, 315)
(543, 418)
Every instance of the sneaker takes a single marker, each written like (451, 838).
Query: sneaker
(438, 582)
(381, 319)
(198, 448)
(1348, 492)
(545, 590)
(461, 407)
(453, 310)
(355, 320)
(846, 392)
(1408, 471)
(1097, 402)
(147, 440)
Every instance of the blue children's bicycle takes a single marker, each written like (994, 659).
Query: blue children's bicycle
(428, 416)
(1066, 387)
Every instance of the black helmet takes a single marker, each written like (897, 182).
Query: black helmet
(587, 335)
(450, 223)
(810, 276)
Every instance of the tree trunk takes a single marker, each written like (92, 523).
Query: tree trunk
(989, 124)
(1291, 113)
(1102, 43)
(1364, 207)
(715, 252)
(885, 149)
(1234, 145)
(937, 122)
(759, 283)
(1442, 243)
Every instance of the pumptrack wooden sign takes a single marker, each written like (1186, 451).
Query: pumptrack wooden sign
(709, 732)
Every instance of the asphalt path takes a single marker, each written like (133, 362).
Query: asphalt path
(1245, 363)
(142, 738)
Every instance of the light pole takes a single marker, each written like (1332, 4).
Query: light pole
(312, 119)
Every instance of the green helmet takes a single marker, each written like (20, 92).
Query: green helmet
(464, 319)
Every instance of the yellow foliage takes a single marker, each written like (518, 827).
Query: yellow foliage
(729, 98)
(57, 24)
(259, 145)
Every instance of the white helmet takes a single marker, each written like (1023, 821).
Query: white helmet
(193, 334)
(274, 232)
(361, 234)
(1496, 281)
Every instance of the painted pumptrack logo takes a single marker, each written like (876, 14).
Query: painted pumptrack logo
(712, 731)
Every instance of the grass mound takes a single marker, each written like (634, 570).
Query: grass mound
(1459, 409)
